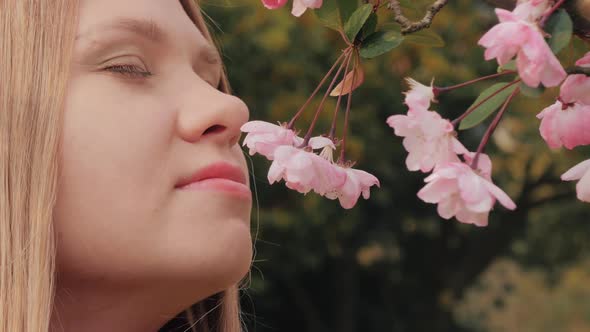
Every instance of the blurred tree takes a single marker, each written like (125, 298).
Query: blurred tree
(389, 264)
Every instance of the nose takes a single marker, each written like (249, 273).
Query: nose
(210, 114)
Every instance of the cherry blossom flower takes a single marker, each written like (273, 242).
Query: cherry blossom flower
(575, 87)
(464, 193)
(305, 171)
(515, 36)
(565, 125)
(263, 137)
(429, 139)
(357, 182)
(419, 96)
(580, 172)
(299, 6)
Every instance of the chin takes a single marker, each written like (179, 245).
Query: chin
(207, 239)
(228, 257)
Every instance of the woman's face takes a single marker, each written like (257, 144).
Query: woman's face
(130, 138)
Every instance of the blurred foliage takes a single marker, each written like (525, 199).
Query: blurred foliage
(391, 264)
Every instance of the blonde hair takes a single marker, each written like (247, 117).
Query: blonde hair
(36, 43)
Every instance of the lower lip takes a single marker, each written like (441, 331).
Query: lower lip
(219, 184)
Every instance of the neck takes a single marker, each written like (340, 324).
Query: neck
(128, 308)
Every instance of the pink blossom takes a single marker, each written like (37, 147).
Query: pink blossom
(463, 193)
(305, 171)
(580, 172)
(429, 139)
(514, 36)
(264, 137)
(274, 4)
(568, 126)
(357, 182)
(576, 87)
(484, 164)
(419, 96)
(299, 6)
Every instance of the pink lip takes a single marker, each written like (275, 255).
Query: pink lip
(220, 176)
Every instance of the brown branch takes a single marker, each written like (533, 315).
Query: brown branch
(409, 26)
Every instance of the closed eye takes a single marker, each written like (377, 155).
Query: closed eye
(129, 70)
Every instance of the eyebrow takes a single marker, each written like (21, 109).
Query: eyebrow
(151, 31)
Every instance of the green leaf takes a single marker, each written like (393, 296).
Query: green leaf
(380, 42)
(425, 37)
(357, 20)
(560, 27)
(370, 26)
(329, 15)
(531, 92)
(488, 107)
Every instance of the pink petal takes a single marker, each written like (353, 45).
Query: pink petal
(502, 197)
(576, 172)
(260, 127)
(419, 96)
(320, 142)
(549, 128)
(576, 88)
(536, 62)
(458, 147)
(274, 4)
(298, 8)
(436, 191)
(474, 193)
(503, 41)
(448, 207)
(583, 188)
(469, 217)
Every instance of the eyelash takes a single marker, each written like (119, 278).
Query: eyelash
(128, 70)
(132, 71)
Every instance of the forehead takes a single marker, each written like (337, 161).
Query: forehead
(163, 22)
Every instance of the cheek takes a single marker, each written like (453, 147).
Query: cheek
(113, 175)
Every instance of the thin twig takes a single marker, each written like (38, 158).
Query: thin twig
(578, 70)
(492, 128)
(409, 26)
(474, 107)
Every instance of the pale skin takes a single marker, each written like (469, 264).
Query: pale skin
(133, 250)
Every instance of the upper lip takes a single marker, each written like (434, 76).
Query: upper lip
(217, 170)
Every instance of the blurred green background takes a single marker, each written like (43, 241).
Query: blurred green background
(391, 264)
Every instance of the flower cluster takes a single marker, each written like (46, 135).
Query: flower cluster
(460, 190)
(304, 170)
(567, 123)
(519, 34)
